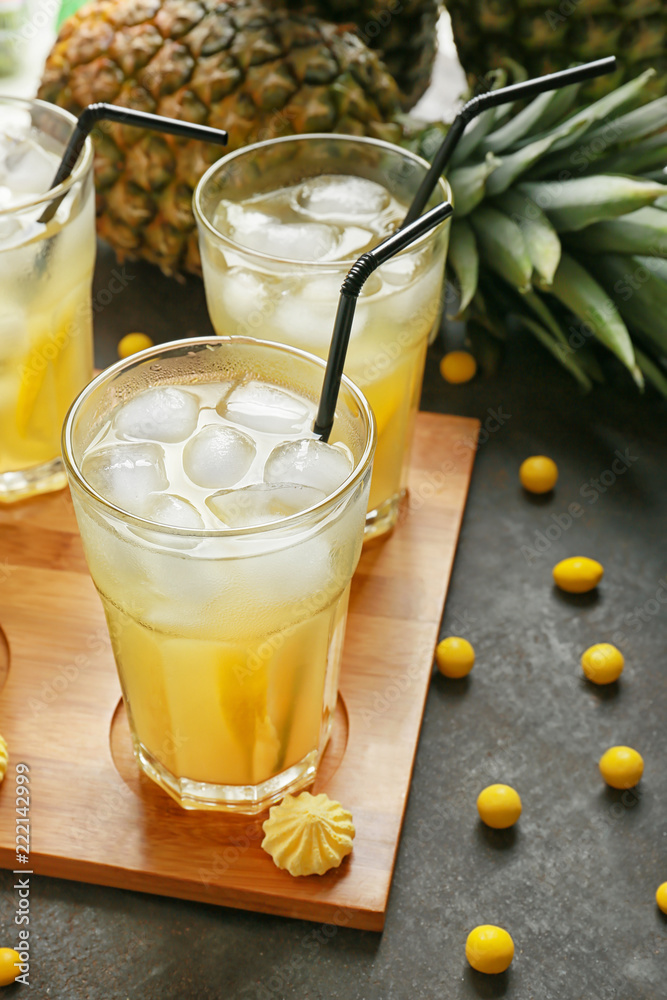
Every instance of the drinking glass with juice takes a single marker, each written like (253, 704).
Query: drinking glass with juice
(280, 224)
(47, 255)
(222, 536)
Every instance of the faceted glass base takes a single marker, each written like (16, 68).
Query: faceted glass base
(245, 799)
(30, 482)
(383, 518)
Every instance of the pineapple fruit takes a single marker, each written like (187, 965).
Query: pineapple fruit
(559, 206)
(547, 35)
(403, 32)
(241, 65)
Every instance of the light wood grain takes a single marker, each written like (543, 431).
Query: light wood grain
(94, 818)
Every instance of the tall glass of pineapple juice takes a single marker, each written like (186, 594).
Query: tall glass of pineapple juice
(46, 271)
(222, 538)
(280, 224)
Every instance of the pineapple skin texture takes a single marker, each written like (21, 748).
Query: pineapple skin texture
(545, 36)
(239, 65)
(403, 32)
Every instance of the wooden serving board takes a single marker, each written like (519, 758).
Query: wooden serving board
(95, 818)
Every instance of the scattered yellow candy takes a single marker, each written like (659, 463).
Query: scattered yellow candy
(578, 574)
(455, 657)
(621, 767)
(538, 474)
(499, 806)
(4, 757)
(308, 834)
(10, 966)
(661, 897)
(457, 367)
(133, 342)
(489, 949)
(602, 663)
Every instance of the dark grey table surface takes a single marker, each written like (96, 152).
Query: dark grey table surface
(574, 882)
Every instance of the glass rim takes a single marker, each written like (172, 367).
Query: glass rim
(330, 501)
(83, 163)
(204, 180)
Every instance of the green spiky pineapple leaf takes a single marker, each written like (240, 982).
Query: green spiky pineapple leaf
(638, 291)
(652, 371)
(502, 246)
(574, 204)
(514, 165)
(542, 112)
(551, 181)
(463, 259)
(582, 295)
(469, 184)
(634, 233)
(540, 237)
(555, 348)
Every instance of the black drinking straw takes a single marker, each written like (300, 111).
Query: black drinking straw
(504, 95)
(349, 293)
(124, 116)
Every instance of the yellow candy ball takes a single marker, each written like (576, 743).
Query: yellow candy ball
(131, 343)
(499, 806)
(602, 663)
(661, 897)
(455, 657)
(489, 949)
(457, 367)
(538, 474)
(621, 767)
(578, 574)
(10, 962)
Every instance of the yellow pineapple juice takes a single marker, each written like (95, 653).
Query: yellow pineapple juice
(222, 538)
(46, 271)
(281, 223)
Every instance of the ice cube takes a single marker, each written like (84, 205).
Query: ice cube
(295, 240)
(241, 293)
(125, 474)
(335, 196)
(175, 511)
(29, 169)
(305, 315)
(309, 462)
(262, 503)
(218, 456)
(265, 408)
(354, 241)
(401, 270)
(11, 233)
(160, 414)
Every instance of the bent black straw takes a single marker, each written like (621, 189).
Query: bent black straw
(505, 95)
(347, 303)
(124, 116)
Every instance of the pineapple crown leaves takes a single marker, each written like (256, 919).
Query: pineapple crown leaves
(561, 222)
